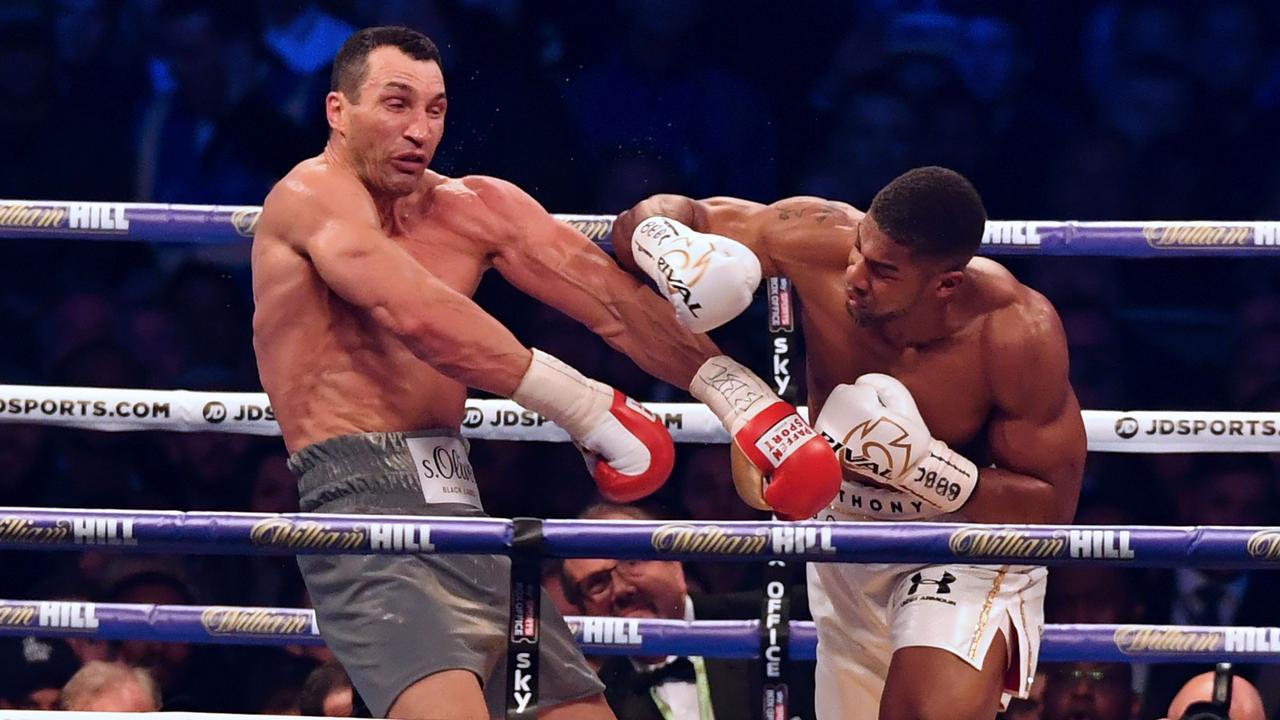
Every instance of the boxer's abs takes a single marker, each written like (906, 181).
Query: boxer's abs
(331, 369)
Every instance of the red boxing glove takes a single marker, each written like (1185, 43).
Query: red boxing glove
(779, 462)
(627, 448)
(630, 452)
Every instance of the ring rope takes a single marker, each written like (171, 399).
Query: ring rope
(224, 625)
(115, 409)
(917, 542)
(159, 223)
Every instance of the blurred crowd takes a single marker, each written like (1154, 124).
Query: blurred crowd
(1103, 110)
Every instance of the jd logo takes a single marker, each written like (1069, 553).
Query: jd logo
(1127, 427)
(214, 411)
(943, 583)
(472, 417)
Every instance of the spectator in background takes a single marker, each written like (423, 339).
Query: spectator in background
(1246, 703)
(1230, 490)
(637, 687)
(874, 136)
(1088, 691)
(209, 133)
(706, 488)
(267, 579)
(28, 104)
(110, 687)
(24, 461)
(190, 678)
(657, 95)
(1094, 338)
(301, 40)
(33, 671)
(221, 338)
(94, 69)
(327, 692)
(154, 333)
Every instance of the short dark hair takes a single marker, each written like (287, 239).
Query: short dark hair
(935, 212)
(351, 66)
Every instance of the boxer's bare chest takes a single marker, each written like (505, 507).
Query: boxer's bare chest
(434, 239)
(947, 378)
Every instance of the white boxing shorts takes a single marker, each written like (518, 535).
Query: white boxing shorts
(864, 612)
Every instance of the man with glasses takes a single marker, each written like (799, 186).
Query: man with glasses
(1088, 691)
(664, 688)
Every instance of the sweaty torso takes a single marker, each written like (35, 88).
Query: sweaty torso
(948, 378)
(331, 369)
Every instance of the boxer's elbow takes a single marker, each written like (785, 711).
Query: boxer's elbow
(1004, 496)
(430, 339)
(1048, 502)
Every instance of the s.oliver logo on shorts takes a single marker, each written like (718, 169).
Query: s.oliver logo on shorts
(443, 470)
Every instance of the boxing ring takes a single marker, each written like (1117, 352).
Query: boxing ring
(528, 540)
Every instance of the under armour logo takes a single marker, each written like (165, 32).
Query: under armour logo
(943, 583)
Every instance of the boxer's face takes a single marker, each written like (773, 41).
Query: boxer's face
(884, 280)
(392, 128)
(881, 282)
(628, 588)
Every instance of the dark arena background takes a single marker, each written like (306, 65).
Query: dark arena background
(1130, 145)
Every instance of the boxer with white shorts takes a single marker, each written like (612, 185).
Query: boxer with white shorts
(940, 381)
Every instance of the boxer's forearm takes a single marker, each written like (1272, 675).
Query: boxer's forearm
(676, 207)
(462, 341)
(1004, 496)
(647, 332)
(560, 267)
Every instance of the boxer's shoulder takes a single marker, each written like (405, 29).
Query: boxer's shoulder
(484, 208)
(315, 191)
(1024, 331)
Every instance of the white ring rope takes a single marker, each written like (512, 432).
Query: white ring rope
(112, 409)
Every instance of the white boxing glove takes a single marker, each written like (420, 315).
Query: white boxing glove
(709, 279)
(877, 432)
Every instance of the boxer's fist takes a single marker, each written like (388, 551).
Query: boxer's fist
(627, 448)
(779, 462)
(878, 433)
(630, 453)
(709, 279)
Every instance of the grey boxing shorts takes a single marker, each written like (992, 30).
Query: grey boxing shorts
(392, 620)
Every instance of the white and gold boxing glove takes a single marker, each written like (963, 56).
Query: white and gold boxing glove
(878, 433)
(710, 279)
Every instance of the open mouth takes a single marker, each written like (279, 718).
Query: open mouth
(409, 163)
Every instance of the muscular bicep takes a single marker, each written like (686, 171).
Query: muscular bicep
(552, 262)
(556, 264)
(1050, 448)
(368, 270)
(791, 236)
(1037, 430)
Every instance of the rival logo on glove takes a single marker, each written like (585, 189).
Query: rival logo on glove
(881, 436)
(679, 285)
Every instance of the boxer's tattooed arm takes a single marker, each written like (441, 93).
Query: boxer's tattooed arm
(817, 212)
